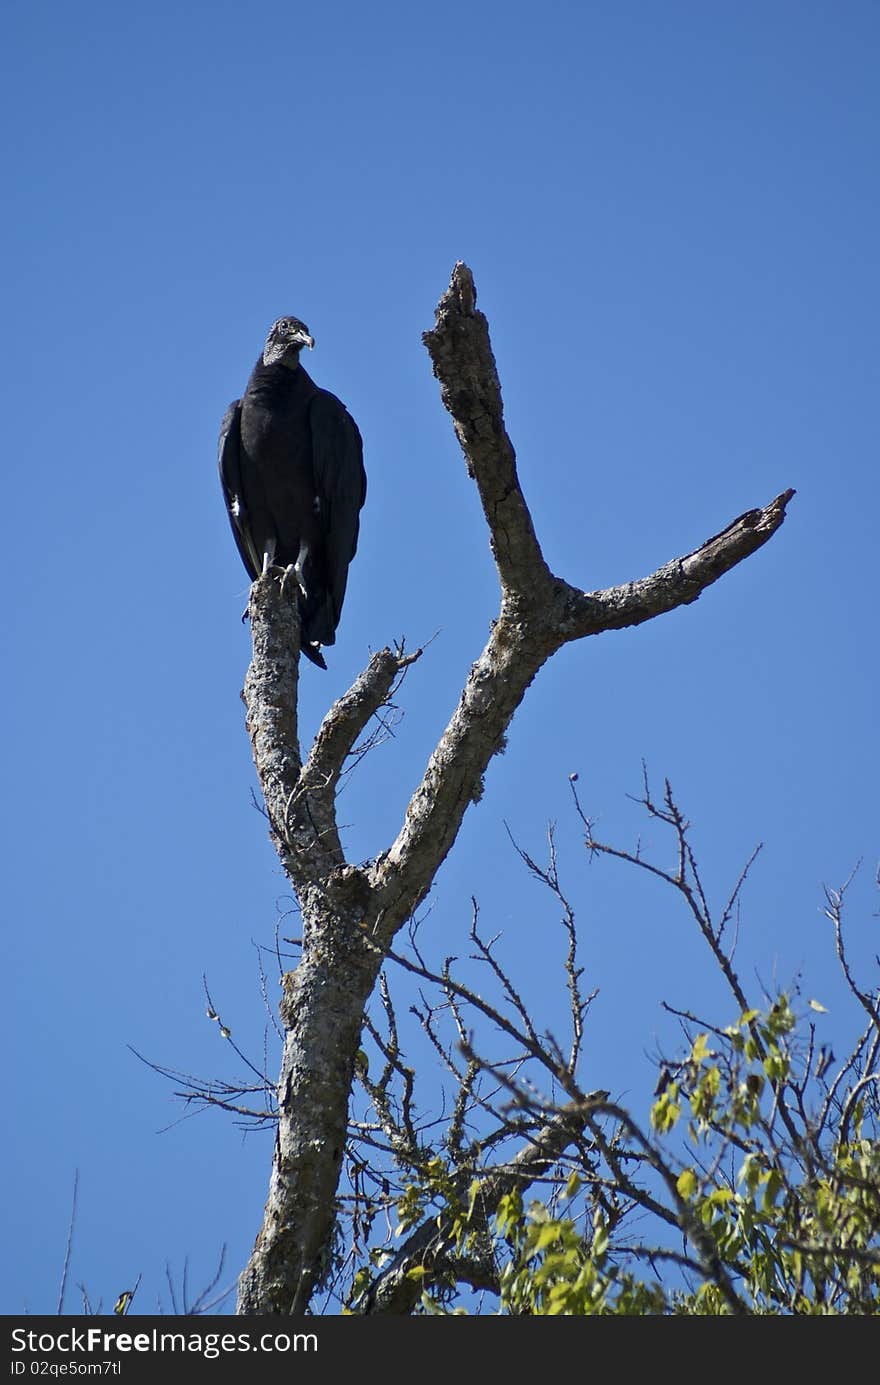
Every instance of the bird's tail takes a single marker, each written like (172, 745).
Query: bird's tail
(312, 652)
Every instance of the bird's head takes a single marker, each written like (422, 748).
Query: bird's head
(286, 339)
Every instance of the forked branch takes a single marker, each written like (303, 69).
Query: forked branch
(351, 913)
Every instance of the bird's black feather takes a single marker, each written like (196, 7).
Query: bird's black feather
(293, 479)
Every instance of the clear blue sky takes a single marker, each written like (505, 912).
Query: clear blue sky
(671, 211)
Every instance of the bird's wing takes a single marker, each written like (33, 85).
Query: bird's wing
(229, 456)
(338, 456)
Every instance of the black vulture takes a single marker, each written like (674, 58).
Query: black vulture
(292, 470)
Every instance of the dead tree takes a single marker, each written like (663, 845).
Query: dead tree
(351, 913)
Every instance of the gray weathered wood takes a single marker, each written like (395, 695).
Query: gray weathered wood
(351, 913)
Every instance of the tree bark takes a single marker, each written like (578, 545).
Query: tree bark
(351, 913)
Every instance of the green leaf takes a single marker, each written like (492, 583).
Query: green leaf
(547, 1235)
(573, 1185)
(666, 1110)
(700, 1048)
(773, 1188)
(687, 1184)
(473, 1194)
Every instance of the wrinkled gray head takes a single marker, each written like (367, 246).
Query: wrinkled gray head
(286, 339)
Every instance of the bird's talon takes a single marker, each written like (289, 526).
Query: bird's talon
(289, 571)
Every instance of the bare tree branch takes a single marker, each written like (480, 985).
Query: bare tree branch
(679, 582)
(461, 353)
(69, 1247)
(352, 913)
(396, 1290)
(346, 720)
